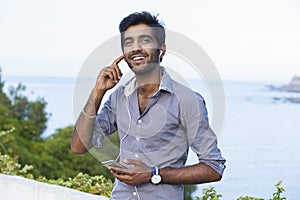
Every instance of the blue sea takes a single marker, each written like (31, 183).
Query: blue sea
(260, 137)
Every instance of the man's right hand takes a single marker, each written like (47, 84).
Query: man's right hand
(83, 131)
(109, 76)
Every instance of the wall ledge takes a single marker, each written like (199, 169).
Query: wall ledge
(16, 187)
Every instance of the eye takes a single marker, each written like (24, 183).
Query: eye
(146, 40)
(128, 43)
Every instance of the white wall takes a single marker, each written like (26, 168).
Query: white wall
(15, 187)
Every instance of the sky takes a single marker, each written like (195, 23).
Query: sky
(246, 40)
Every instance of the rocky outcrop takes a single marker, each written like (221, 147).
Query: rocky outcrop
(293, 86)
(287, 99)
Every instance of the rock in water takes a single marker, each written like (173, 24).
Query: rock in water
(293, 86)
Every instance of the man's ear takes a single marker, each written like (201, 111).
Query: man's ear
(163, 49)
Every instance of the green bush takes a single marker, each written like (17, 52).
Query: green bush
(83, 182)
(10, 166)
(23, 121)
(277, 193)
(249, 198)
(211, 194)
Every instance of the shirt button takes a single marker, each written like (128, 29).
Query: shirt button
(136, 155)
(139, 121)
(134, 193)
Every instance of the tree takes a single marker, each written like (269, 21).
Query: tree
(64, 162)
(188, 191)
(31, 114)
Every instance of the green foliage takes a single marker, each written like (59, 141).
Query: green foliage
(10, 166)
(31, 114)
(82, 182)
(277, 193)
(51, 157)
(188, 191)
(2, 133)
(27, 118)
(3, 97)
(85, 183)
(249, 198)
(209, 194)
(58, 160)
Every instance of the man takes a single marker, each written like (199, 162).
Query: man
(157, 120)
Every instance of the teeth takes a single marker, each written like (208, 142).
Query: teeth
(138, 58)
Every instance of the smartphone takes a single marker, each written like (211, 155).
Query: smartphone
(112, 163)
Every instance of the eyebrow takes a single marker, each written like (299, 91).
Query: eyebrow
(141, 36)
(148, 36)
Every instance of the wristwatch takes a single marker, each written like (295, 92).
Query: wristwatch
(155, 175)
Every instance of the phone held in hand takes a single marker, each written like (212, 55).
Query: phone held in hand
(113, 164)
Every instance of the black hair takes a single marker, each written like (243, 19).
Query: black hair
(146, 18)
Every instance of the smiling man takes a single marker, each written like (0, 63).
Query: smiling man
(157, 120)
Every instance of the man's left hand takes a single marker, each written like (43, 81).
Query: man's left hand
(136, 175)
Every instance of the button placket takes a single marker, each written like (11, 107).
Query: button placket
(138, 135)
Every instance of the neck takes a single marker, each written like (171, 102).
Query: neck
(147, 90)
(150, 77)
(149, 83)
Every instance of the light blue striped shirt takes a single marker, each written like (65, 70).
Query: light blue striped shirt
(174, 121)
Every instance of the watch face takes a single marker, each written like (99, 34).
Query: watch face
(155, 179)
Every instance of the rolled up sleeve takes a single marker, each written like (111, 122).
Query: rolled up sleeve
(202, 139)
(105, 123)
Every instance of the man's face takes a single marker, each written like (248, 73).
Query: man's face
(141, 49)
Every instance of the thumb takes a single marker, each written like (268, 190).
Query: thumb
(132, 162)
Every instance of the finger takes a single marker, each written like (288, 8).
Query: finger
(118, 72)
(123, 178)
(117, 60)
(108, 74)
(113, 71)
(132, 162)
(115, 64)
(120, 170)
(115, 174)
(120, 176)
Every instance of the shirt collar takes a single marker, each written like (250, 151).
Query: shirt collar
(165, 83)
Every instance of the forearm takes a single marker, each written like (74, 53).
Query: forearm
(195, 174)
(83, 130)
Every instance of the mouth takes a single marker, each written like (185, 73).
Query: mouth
(138, 58)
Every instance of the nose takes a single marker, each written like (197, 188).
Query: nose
(136, 46)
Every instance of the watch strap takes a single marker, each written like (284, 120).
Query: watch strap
(155, 171)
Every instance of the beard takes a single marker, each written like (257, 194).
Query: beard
(144, 69)
(148, 66)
